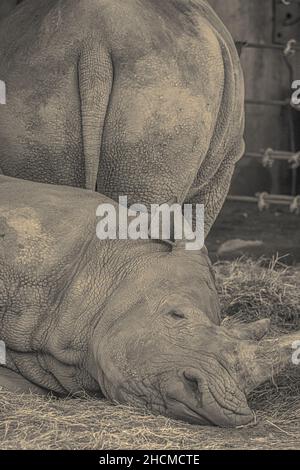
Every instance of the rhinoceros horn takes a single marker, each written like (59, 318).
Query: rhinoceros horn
(263, 360)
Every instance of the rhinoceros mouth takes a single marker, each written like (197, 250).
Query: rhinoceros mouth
(187, 413)
(200, 399)
(223, 418)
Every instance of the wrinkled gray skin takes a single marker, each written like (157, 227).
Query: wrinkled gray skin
(136, 97)
(6, 6)
(137, 322)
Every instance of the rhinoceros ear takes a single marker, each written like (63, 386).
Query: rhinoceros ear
(170, 241)
(176, 243)
(249, 331)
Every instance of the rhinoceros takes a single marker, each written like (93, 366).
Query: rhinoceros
(6, 6)
(137, 97)
(137, 322)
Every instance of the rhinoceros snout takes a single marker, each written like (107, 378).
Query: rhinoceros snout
(202, 400)
(222, 401)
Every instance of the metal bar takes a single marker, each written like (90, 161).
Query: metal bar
(264, 200)
(278, 47)
(242, 199)
(274, 155)
(281, 103)
(271, 199)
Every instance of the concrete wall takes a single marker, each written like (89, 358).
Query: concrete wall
(266, 77)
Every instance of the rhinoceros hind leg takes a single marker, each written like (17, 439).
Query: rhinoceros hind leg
(13, 382)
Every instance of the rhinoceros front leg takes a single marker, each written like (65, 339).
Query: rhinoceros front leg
(14, 382)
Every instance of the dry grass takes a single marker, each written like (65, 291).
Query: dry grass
(249, 290)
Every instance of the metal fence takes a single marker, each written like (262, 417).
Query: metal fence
(267, 157)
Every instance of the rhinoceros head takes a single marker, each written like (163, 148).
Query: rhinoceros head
(162, 345)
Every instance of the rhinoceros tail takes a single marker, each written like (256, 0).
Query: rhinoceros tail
(95, 76)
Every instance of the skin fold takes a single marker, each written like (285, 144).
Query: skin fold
(135, 321)
(143, 98)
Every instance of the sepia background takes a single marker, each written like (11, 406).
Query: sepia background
(250, 288)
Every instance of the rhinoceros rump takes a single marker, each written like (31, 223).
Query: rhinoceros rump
(135, 321)
(141, 97)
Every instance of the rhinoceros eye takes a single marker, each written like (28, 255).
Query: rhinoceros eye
(176, 314)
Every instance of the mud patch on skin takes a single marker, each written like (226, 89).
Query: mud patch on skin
(166, 109)
(7, 235)
(179, 14)
(22, 232)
